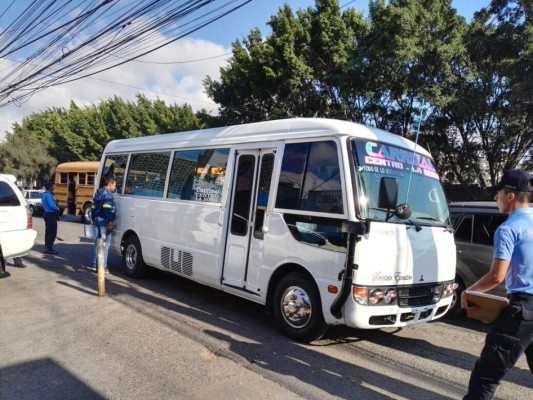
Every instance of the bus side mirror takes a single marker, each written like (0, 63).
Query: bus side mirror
(356, 228)
(388, 193)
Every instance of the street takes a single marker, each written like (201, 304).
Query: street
(166, 337)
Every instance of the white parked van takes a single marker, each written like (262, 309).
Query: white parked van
(16, 234)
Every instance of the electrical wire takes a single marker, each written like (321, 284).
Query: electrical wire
(63, 41)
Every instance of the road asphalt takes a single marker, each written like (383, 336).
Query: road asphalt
(60, 340)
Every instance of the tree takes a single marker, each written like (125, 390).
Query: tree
(297, 71)
(61, 135)
(488, 121)
(474, 78)
(24, 156)
(326, 63)
(410, 55)
(86, 136)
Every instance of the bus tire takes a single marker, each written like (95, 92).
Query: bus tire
(297, 308)
(86, 216)
(132, 258)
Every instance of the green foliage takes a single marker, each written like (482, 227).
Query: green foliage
(327, 62)
(25, 156)
(58, 135)
(488, 122)
(297, 71)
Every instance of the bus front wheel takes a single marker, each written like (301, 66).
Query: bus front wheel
(132, 258)
(298, 309)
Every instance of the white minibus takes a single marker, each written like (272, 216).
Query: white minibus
(324, 222)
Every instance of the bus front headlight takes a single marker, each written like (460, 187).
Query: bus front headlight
(390, 296)
(449, 288)
(376, 297)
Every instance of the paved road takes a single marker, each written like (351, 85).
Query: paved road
(168, 338)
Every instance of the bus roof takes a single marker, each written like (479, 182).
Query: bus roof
(78, 166)
(283, 129)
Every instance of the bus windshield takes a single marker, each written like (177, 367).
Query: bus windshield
(419, 184)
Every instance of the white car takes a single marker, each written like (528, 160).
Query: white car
(16, 234)
(34, 202)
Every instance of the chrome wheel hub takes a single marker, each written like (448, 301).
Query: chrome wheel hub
(131, 257)
(296, 307)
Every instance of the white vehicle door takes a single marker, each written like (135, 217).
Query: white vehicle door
(247, 217)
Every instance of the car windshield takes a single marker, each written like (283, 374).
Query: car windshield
(35, 195)
(419, 184)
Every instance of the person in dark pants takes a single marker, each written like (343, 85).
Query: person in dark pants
(51, 211)
(512, 332)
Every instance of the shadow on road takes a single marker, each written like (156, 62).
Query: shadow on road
(22, 379)
(253, 339)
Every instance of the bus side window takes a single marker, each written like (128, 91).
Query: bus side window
(182, 174)
(115, 166)
(322, 189)
(310, 178)
(152, 167)
(210, 175)
(292, 175)
(265, 178)
(198, 175)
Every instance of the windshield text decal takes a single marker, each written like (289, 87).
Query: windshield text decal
(384, 155)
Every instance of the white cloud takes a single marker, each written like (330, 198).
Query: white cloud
(173, 83)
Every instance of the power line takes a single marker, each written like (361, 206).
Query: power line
(182, 62)
(53, 38)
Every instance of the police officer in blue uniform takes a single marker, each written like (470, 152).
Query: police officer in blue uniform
(50, 215)
(512, 332)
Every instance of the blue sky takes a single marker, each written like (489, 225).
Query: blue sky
(258, 12)
(177, 82)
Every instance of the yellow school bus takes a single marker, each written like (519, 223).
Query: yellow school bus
(75, 187)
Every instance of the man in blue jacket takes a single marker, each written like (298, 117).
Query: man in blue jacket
(51, 211)
(103, 215)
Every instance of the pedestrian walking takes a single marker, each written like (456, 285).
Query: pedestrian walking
(50, 216)
(511, 334)
(103, 214)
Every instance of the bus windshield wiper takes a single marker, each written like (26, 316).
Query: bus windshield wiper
(417, 226)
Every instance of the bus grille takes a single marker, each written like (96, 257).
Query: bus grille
(414, 296)
(177, 261)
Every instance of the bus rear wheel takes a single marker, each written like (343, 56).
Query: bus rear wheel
(298, 309)
(132, 258)
(86, 216)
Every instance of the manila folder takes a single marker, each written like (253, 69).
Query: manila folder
(487, 306)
